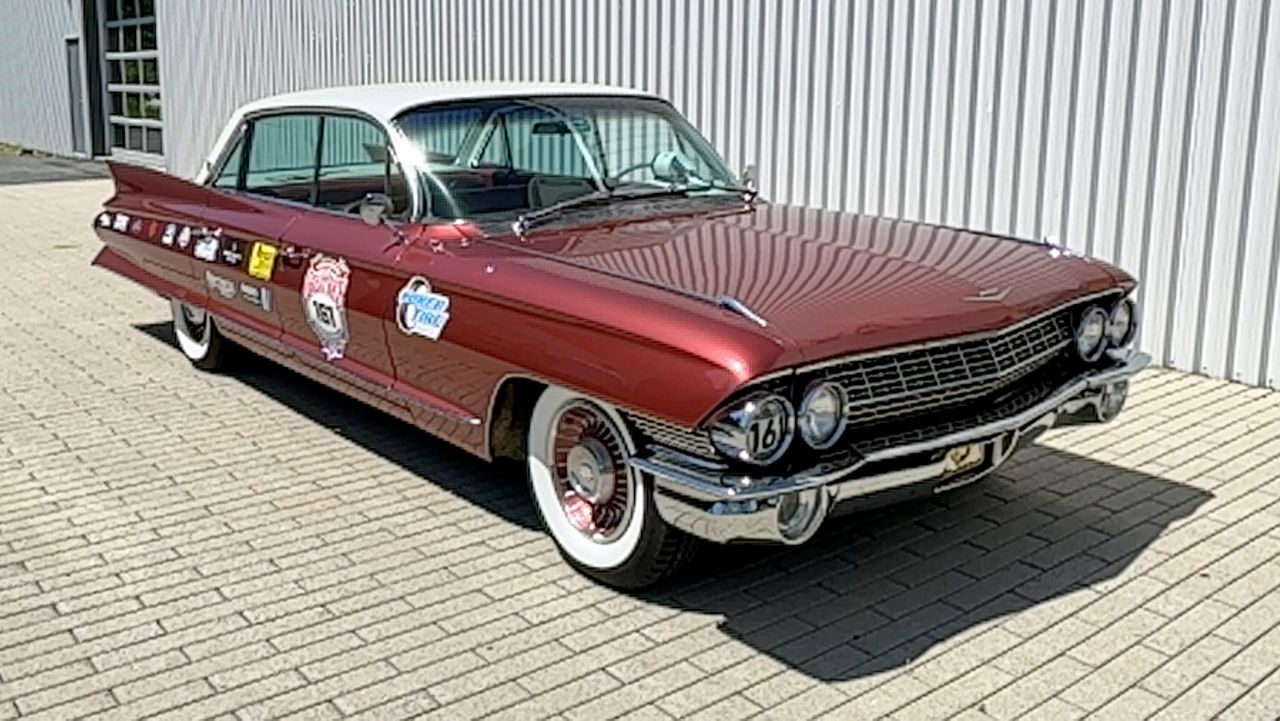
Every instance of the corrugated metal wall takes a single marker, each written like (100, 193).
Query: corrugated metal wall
(1141, 131)
(35, 105)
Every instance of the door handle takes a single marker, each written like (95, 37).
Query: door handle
(294, 256)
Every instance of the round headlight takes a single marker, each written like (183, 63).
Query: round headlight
(757, 429)
(1091, 334)
(821, 415)
(1123, 324)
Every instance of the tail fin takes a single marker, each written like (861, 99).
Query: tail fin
(136, 179)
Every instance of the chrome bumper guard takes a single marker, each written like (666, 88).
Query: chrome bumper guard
(699, 497)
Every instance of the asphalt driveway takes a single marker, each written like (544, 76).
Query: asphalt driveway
(249, 545)
(24, 169)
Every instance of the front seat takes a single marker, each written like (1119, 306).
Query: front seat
(547, 190)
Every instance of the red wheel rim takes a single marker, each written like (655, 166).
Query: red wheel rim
(594, 483)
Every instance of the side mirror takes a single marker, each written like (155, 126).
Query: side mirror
(672, 166)
(749, 176)
(375, 208)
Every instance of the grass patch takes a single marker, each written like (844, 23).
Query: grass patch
(7, 149)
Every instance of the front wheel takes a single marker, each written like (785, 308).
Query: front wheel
(598, 509)
(198, 337)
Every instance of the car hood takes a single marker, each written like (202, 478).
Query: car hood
(834, 284)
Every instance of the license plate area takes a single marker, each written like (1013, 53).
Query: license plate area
(964, 458)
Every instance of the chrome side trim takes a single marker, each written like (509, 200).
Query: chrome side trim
(244, 334)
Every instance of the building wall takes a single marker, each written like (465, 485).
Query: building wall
(35, 106)
(1139, 131)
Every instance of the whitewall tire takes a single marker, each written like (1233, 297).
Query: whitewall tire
(597, 509)
(198, 336)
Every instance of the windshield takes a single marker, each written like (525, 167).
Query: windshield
(508, 157)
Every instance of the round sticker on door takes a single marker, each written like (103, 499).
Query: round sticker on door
(324, 298)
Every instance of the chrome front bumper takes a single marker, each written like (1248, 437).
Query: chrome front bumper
(704, 500)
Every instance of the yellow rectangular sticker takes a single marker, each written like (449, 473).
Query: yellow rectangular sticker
(262, 260)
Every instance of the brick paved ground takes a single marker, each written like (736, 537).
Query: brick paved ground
(190, 545)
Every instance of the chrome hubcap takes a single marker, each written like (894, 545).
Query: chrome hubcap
(591, 471)
(594, 483)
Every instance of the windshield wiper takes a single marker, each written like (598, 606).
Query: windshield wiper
(526, 221)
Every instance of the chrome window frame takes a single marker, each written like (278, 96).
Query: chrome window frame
(398, 145)
(472, 144)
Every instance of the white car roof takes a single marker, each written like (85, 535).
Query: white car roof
(385, 102)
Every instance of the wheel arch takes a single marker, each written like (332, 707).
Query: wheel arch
(509, 410)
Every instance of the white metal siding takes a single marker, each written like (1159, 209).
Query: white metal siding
(1141, 131)
(35, 105)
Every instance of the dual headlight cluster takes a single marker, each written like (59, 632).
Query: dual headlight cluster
(1100, 329)
(759, 429)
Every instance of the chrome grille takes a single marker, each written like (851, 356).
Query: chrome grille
(1009, 403)
(897, 384)
(890, 390)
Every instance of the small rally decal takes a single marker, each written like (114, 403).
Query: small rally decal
(419, 311)
(121, 223)
(257, 296)
(324, 298)
(232, 252)
(170, 232)
(104, 220)
(207, 246)
(184, 237)
(220, 285)
(262, 260)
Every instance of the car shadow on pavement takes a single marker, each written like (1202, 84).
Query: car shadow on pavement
(875, 590)
(417, 452)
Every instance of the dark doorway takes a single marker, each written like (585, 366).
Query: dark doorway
(75, 87)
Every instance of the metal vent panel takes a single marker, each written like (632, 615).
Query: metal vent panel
(673, 436)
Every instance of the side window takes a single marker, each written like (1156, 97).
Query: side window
(229, 176)
(355, 160)
(282, 157)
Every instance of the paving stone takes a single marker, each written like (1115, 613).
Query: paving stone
(1261, 700)
(315, 559)
(1034, 688)
(1114, 678)
(1132, 704)
(1205, 700)
(1194, 663)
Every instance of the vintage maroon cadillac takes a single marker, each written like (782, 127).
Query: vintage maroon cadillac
(568, 275)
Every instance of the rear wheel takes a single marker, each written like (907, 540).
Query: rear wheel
(598, 509)
(198, 336)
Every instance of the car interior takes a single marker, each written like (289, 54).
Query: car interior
(480, 191)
